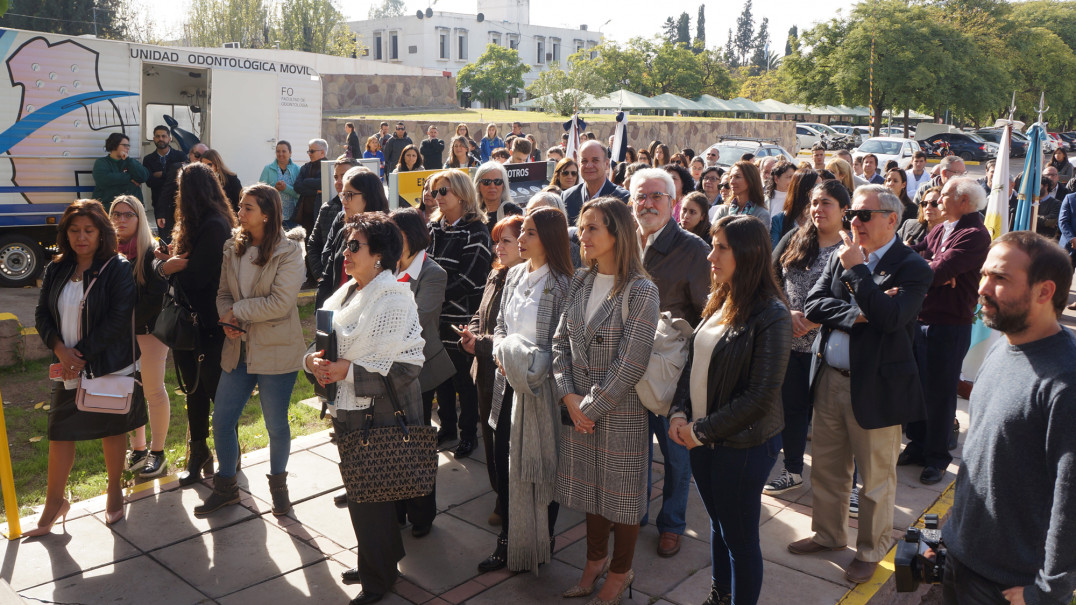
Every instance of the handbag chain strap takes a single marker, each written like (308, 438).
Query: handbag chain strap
(82, 308)
(401, 417)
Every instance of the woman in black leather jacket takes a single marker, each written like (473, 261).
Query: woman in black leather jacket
(729, 400)
(92, 339)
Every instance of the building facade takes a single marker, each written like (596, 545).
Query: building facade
(447, 41)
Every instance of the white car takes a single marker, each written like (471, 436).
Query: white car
(808, 136)
(888, 148)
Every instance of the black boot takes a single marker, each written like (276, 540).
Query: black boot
(225, 493)
(499, 558)
(199, 463)
(278, 488)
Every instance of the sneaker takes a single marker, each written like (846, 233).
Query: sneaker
(154, 466)
(784, 483)
(136, 458)
(853, 504)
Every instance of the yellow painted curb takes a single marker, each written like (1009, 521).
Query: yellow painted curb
(7, 316)
(863, 593)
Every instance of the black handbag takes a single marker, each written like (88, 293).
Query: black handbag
(178, 327)
(389, 463)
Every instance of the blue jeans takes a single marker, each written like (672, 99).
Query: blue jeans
(673, 515)
(939, 351)
(233, 392)
(730, 482)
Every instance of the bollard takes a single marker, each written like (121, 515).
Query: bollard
(7, 481)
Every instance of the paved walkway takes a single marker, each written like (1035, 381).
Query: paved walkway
(163, 554)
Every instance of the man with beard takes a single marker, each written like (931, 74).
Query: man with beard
(163, 165)
(1013, 524)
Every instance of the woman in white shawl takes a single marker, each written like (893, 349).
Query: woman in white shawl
(378, 335)
(525, 414)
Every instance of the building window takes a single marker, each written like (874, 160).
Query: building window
(461, 44)
(554, 47)
(539, 53)
(444, 45)
(578, 45)
(394, 46)
(377, 47)
(513, 41)
(495, 38)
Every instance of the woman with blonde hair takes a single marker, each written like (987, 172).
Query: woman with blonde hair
(490, 142)
(603, 440)
(460, 243)
(566, 174)
(233, 189)
(459, 154)
(136, 242)
(843, 172)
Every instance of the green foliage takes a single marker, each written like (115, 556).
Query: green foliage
(214, 22)
(741, 46)
(495, 77)
(563, 92)
(771, 84)
(683, 29)
(308, 25)
(388, 8)
(793, 33)
(313, 26)
(700, 28)
(652, 67)
(101, 17)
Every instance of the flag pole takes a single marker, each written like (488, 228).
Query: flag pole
(1042, 123)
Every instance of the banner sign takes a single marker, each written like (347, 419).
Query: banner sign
(524, 180)
(406, 187)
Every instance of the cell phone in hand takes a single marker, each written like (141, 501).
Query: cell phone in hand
(56, 372)
(232, 326)
(456, 329)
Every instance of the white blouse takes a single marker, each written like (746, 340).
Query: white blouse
(599, 291)
(68, 305)
(521, 310)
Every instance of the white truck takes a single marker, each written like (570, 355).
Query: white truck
(65, 95)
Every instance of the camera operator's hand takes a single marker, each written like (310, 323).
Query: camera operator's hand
(1015, 595)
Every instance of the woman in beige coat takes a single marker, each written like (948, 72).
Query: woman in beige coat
(259, 283)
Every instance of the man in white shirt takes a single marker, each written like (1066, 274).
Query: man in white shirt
(917, 176)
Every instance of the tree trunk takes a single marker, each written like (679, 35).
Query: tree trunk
(906, 111)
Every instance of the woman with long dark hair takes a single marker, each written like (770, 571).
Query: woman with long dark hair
(793, 214)
(798, 261)
(524, 413)
(682, 183)
(778, 184)
(729, 399)
(362, 192)
(459, 154)
(745, 195)
(84, 314)
(261, 274)
(566, 174)
(204, 221)
(410, 159)
(1060, 160)
(233, 189)
(661, 155)
(896, 180)
(694, 215)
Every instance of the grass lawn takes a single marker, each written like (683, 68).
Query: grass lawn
(500, 116)
(25, 390)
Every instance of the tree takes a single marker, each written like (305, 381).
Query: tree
(1043, 62)
(563, 92)
(387, 8)
(668, 29)
(683, 29)
(761, 45)
(741, 46)
(700, 28)
(214, 22)
(623, 66)
(771, 84)
(716, 79)
(314, 26)
(674, 68)
(495, 77)
(103, 18)
(793, 33)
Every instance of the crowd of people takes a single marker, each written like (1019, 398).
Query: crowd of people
(817, 294)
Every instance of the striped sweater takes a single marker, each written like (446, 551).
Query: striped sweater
(463, 251)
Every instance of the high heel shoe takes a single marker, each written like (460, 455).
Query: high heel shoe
(42, 530)
(199, 463)
(583, 591)
(628, 580)
(112, 518)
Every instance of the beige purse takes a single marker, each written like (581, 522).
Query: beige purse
(109, 394)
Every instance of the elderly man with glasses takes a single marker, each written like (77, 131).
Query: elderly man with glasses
(864, 378)
(594, 177)
(308, 186)
(950, 167)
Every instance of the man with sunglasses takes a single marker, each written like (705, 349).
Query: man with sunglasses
(864, 378)
(394, 147)
(955, 251)
(594, 180)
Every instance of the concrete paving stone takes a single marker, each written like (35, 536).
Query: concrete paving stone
(694, 589)
(128, 581)
(323, 516)
(144, 526)
(309, 475)
(788, 526)
(553, 578)
(474, 511)
(459, 481)
(779, 582)
(447, 557)
(87, 544)
(327, 451)
(912, 501)
(236, 557)
(317, 583)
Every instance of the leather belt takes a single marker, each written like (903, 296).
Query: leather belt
(844, 373)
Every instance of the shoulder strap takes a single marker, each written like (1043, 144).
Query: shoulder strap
(624, 301)
(82, 307)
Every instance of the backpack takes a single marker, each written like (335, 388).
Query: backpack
(667, 359)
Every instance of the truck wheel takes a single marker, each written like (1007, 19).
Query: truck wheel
(21, 260)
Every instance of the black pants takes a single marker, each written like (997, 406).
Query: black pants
(501, 438)
(462, 385)
(422, 509)
(796, 401)
(962, 586)
(939, 351)
(208, 373)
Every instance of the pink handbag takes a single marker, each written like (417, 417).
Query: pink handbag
(110, 394)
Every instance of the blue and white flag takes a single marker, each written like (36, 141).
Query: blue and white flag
(620, 138)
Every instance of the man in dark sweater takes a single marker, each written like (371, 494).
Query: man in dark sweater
(394, 147)
(956, 252)
(1012, 533)
(163, 166)
(432, 150)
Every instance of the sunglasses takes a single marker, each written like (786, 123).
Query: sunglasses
(864, 216)
(570, 173)
(354, 245)
(934, 204)
(725, 186)
(312, 150)
(440, 191)
(488, 182)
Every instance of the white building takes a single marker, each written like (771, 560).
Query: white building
(448, 41)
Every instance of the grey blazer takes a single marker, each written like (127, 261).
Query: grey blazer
(429, 291)
(550, 307)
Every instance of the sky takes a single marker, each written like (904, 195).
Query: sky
(626, 19)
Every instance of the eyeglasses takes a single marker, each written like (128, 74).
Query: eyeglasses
(488, 182)
(570, 173)
(312, 150)
(654, 197)
(127, 145)
(864, 216)
(934, 204)
(348, 195)
(196, 155)
(440, 191)
(124, 215)
(353, 245)
(709, 179)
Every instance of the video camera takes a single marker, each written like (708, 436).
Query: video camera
(920, 556)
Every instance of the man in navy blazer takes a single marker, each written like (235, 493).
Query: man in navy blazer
(864, 378)
(593, 172)
(1066, 222)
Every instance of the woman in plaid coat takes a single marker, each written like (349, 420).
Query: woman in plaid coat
(598, 359)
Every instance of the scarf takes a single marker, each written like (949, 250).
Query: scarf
(532, 453)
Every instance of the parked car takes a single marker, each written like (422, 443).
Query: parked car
(1070, 138)
(833, 138)
(970, 147)
(807, 137)
(1062, 142)
(857, 136)
(731, 149)
(1017, 145)
(888, 148)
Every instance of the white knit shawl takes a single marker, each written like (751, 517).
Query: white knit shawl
(378, 327)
